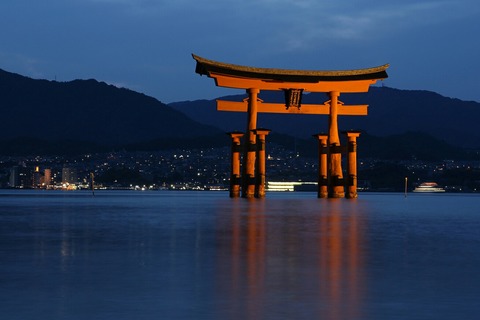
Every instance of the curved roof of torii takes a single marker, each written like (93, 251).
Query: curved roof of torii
(210, 68)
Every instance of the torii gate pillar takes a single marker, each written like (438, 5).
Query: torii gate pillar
(322, 165)
(352, 164)
(248, 177)
(261, 163)
(335, 175)
(235, 164)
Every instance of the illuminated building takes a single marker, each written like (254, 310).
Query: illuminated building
(47, 178)
(36, 178)
(69, 175)
(14, 180)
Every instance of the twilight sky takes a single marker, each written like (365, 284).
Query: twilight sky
(146, 45)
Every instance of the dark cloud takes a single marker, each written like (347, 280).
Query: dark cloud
(146, 45)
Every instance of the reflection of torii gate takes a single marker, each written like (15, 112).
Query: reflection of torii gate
(293, 83)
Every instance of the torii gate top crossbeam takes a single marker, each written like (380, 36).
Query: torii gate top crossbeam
(244, 77)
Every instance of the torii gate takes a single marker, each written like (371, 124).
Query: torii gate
(293, 83)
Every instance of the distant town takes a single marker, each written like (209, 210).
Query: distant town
(120, 121)
(209, 169)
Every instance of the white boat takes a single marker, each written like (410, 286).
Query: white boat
(428, 187)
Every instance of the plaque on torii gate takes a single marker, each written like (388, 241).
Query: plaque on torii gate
(293, 83)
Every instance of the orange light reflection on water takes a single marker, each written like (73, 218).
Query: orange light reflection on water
(279, 260)
(340, 263)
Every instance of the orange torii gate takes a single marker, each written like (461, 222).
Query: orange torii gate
(293, 83)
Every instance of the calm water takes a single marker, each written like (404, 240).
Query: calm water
(201, 255)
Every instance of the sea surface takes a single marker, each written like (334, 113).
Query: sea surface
(201, 255)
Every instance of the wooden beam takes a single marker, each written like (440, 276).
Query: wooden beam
(265, 84)
(234, 106)
(353, 110)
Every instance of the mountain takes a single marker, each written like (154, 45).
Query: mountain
(88, 111)
(391, 112)
(40, 116)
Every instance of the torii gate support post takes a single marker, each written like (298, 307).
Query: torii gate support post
(235, 164)
(248, 178)
(261, 162)
(322, 165)
(352, 164)
(335, 175)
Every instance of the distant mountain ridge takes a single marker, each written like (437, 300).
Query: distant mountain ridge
(87, 110)
(391, 112)
(40, 116)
